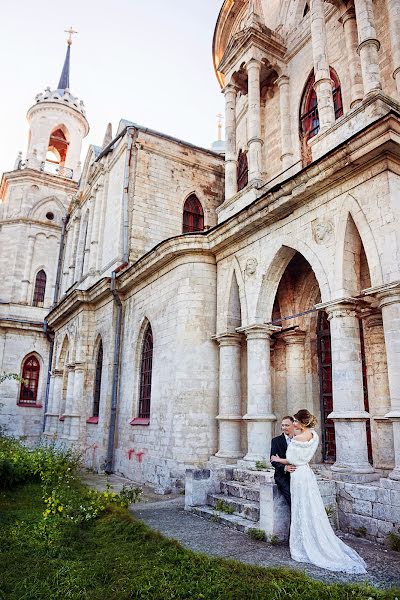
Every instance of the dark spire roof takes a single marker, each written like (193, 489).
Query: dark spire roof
(63, 84)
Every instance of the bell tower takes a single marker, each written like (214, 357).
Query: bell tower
(58, 125)
(34, 201)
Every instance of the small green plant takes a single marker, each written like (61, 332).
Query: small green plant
(274, 540)
(330, 511)
(394, 541)
(224, 507)
(215, 517)
(256, 534)
(360, 531)
(260, 465)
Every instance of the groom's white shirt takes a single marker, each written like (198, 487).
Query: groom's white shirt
(288, 439)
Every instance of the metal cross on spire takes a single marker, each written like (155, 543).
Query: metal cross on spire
(70, 32)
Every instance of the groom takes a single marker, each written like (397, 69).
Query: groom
(279, 446)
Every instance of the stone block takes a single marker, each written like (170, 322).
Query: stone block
(390, 484)
(384, 527)
(197, 486)
(346, 505)
(362, 492)
(395, 497)
(274, 511)
(362, 507)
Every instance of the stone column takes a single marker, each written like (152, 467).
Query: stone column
(323, 83)
(348, 413)
(230, 93)
(254, 142)
(27, 269)
(295, 371)
(390, 306)
(87, 241)
(53, 408)
(230, 397)
(378, 388)
(95, 231)
(368, 45)
(69, 401)
(348, 20)
(74, 242)
(394, 29)
(286, 135)
(259, 416)
(75, 415)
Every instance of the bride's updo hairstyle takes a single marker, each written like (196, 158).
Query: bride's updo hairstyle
(305, 418)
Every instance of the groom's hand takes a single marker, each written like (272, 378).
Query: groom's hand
(290, 468)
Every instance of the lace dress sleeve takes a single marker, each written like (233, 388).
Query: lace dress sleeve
(300, 453)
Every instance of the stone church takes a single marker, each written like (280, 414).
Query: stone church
(167, 305)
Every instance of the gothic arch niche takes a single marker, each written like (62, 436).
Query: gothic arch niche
(98, 377)
(234, 316)
(39, 292)
(355, 277)
(63, 361)
(58, 145)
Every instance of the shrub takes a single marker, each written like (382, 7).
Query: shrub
(256, 534)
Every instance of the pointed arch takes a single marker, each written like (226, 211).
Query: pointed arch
(98, 378)
(39, 291)
(58, 145)
(234, 275)
(285, 249)
(146, 372)
(30, 373)
(352, 209)
(193, 215)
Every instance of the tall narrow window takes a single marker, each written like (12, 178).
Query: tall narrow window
(97, 381)
(193, 216)
(309, 116)
(40, 288)
(30, 375)
(242, 171)
(146, 368)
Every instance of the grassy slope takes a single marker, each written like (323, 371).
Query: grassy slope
(117, 558)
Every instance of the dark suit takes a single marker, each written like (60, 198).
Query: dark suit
(282, 479)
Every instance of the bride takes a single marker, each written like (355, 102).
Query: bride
(312, 539)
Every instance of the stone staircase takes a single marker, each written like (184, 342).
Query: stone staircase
(237, 502)
(231, 496)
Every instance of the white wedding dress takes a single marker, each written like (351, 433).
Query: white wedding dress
(312, 539)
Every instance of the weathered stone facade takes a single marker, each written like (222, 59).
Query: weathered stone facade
(288, 298)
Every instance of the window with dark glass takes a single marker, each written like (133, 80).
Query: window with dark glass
(40, 288)
(97, 381)
(242, 171)
(30, 375)
(193, 216)
(309, 117)
(146, 368)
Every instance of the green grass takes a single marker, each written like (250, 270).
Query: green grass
(119, 558)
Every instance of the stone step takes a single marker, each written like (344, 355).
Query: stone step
(250, 476)
(241, 507)
(232, 521)
(249, 491)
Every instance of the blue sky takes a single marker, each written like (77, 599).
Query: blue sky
(147, 61)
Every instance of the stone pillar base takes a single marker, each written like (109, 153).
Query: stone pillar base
(354, 477)
(274, 512)
(221, 459)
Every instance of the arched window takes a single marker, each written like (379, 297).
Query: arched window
(309, 117)
(30, 374)
(242, 171)
(40, 288)
(58, 146)
(193, 216)
(97, 381)
(146, 368)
